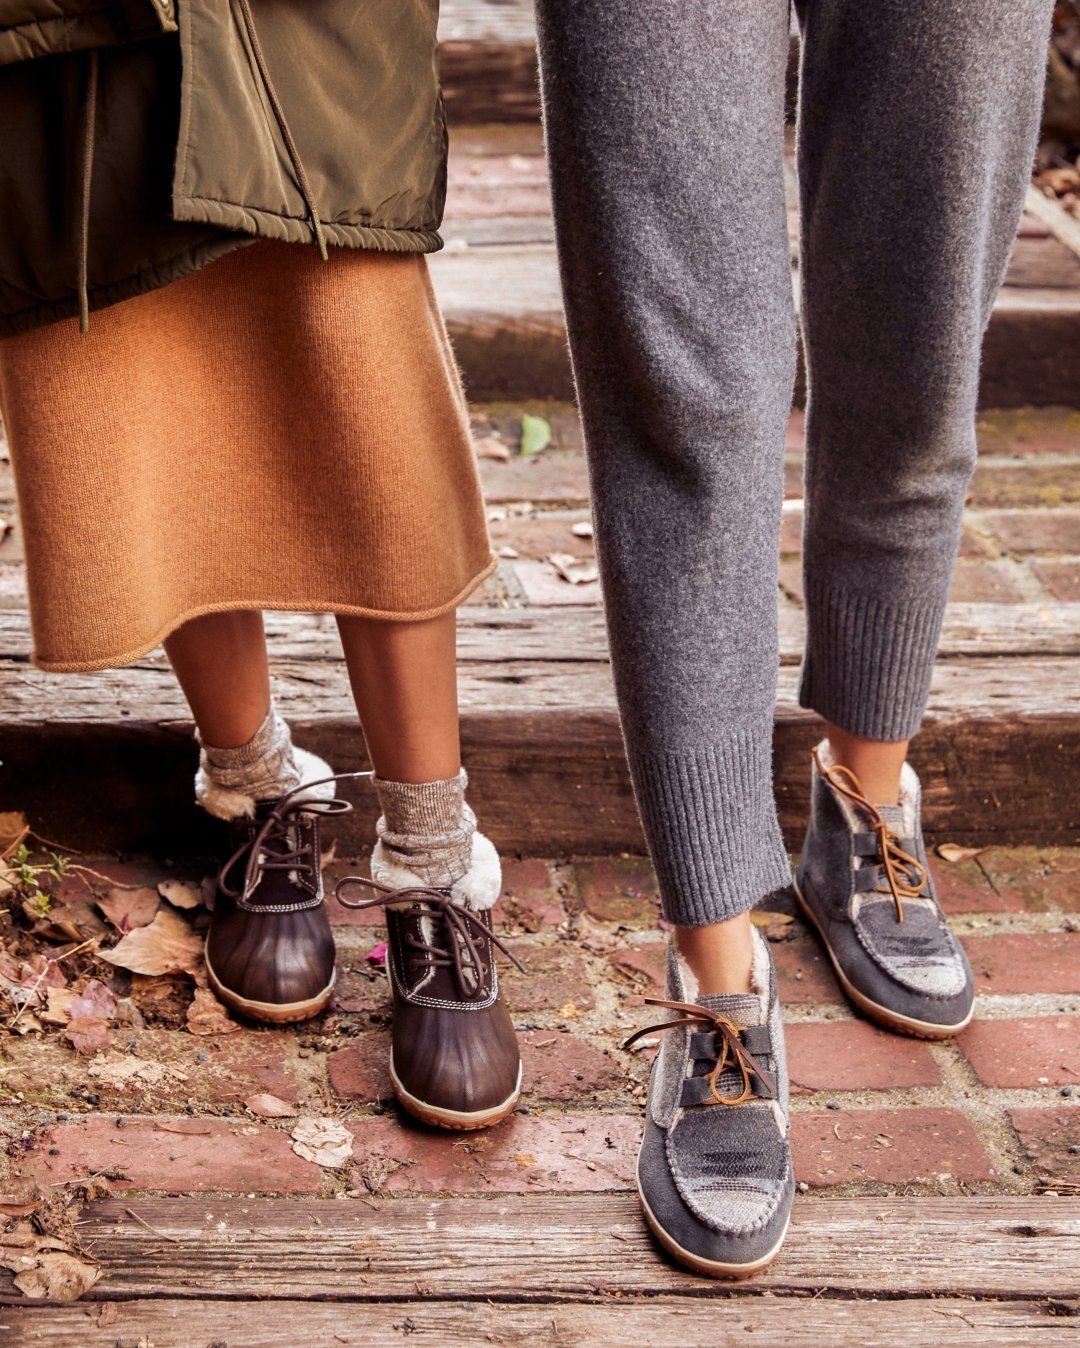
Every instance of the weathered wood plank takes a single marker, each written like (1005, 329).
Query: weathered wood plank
(545, 1247)
(542, 740)
(663, 1322)
(514, 346)
(576, 633)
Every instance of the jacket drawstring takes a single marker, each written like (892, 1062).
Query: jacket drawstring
(283, 127)
(86, 175)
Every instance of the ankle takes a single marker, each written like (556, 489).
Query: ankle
(720, 955)
(876, 764)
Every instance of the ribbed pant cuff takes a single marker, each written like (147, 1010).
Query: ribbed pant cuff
(868, 664)
(710, 822)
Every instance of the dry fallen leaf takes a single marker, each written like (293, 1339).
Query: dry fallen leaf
(87, 1035)
(576, 570)
(58, 1009)
(57, 1276)
(20, 1197)
(269, 1107)
(95, 1001)
(954, 852)
(774, 926)
(206, 1015)
(108, 1315)
(13, 829)
(582, 529)
(166, 946)
(181, 893)
(127, 909)
(325, 1141)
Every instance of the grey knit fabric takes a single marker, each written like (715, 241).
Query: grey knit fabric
(427, 827)
(263, 768)
(665, 130)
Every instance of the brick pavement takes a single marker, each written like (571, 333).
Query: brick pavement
(994, 1111)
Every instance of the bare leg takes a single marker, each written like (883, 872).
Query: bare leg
(220, 662)
(404, 680)
(720, 954)
(876, 763)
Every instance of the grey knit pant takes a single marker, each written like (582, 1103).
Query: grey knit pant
(665, 130)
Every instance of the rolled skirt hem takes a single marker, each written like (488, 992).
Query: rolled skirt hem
(258, 605)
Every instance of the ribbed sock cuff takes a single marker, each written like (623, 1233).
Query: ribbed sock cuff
(262, 769)
(427, 827)
(710, 822)
(868, 664)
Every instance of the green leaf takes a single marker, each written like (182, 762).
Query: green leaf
(535, 435)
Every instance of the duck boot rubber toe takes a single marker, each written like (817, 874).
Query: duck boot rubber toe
(269, 950)
(864, 884)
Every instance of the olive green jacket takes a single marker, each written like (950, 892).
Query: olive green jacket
(143, 138)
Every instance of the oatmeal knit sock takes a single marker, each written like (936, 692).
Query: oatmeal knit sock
(230, 782)
(427, 828)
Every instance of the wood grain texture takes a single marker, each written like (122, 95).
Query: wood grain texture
(661, 1322)
(536, 1247)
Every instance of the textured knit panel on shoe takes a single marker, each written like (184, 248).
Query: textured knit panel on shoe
(730, 1163)
(919, 953)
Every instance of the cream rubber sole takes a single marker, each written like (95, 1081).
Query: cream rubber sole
(892, 1020)
(453, 1118)
(709, 1268)
(274, 1013)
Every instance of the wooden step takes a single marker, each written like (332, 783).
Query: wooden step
(104, 761)
(503, 308)
(578, 1269)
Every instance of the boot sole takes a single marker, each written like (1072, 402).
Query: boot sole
(892, 1020)
(458, 1120)
(271, 1013)
(709, 1268)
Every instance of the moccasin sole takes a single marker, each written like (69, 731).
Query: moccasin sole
(891, 1020)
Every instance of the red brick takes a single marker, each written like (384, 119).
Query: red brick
(558, 1065)
(619, 889)
(1014, 962)
(1041, 880)
(361, 1070)
(886, 1146)
(1035, 530)
(795, 439)
(851, 1055)
(556, 980)
(526, 1154)
(804, 972)
(75, 886)
(981, 581)
(544, 586)
(538, 537)
(964, 887)
(530, 899)
(1033, 1051)
(212, 1070)
(1047, 1136)
(644, 965)
(1061, 579)
(361, 986)
(213, 1155)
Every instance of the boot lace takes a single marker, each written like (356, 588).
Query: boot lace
(731, 1051)
(465, 931)
(905, 876)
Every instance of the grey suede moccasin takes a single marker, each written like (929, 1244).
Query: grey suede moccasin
(714, 1170)
(864, 885)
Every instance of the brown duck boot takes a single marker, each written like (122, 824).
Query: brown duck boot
(454, 1058)
(269, 951)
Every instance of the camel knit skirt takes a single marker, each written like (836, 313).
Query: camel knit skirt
(272, 431)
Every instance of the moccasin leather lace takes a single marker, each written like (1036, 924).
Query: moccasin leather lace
(462, 925)
(905, 876)
(731, 1052)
